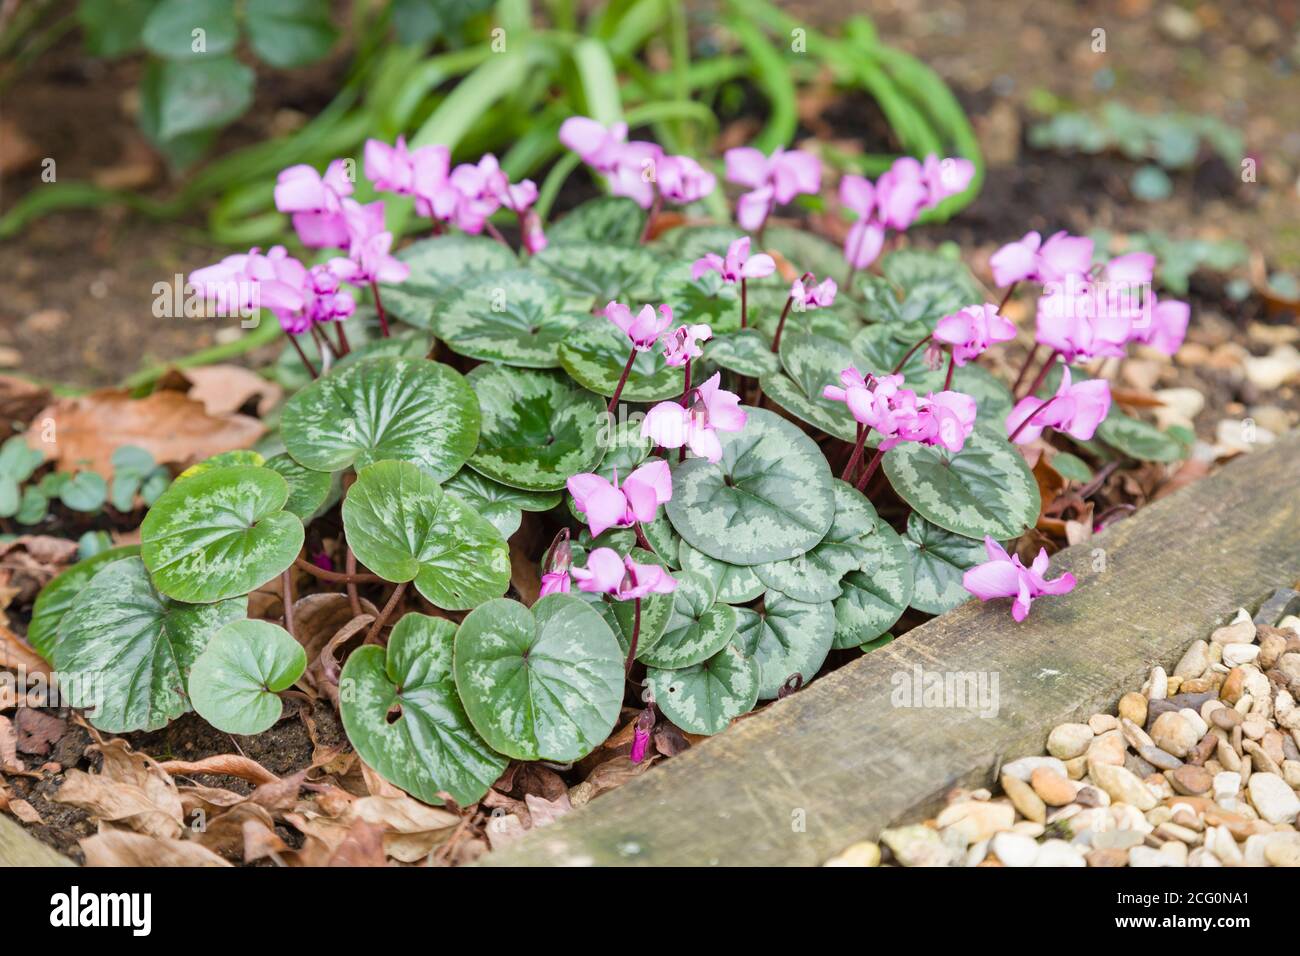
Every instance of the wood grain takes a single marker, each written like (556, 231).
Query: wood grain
(20, 848)
(838, 762)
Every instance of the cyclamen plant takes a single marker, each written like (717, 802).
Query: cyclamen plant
(688, 399)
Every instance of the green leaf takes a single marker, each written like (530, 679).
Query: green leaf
(1139, 440)
(131, 465)
(596, 354)
(403, 715)
(732, 583)
(125, 651)
(985, 489)
(879, 349)
(17, 460)
(544, 683)
(58, 596)
(707, 299)
(538, 428)
(240, 456)
(838, 322)
(598, 273)
(307, 489)
(696, 629)
(33, 507)
(745, 352)
(500, 504)
(112, 27)
(704, 698)
(10, 497)
(939, 558)
(1071, 467)
(404, 527)
(182, 97)
(665, 541)
(787, 637)
(290, 33)
(439, 265)
(85, 491)
(170, 29)
(874, 597)
(810, 363)
(693, 242)
(770, 497)
(815, 576)
(943, 281)
(806, 251)
(606, 221)
(515, 318)
(220, 534)
(406, 409)
(234, 683)
(621, 615)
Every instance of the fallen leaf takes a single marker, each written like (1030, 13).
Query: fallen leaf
(223, 834)
(9, 761)
(319, 617)
(260, 841)
(503, 829)
(608, 776)
(404, 814)
(20, 400)
(224, 389)
(322, 674)
(545, 812)
(363, 846)
(15, 653)
(230, 765)
(83, 432)
(123, 848)
(25, 812)
(37, 731)
(17, 151)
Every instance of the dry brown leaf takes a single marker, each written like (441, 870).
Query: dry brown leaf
(25, 812)
(230, 765)
(280, 794)
(503, 829)
(16, 653)
(8, 696)
(210, 801)
(83, 432)
(1190, 471)
(224, 389)
(260, 841)
(9, 761)
(545, 812)
(319, 617)
(363, 846)
(322, 674)
(37, 731)
(122, 848)
(17, 150)
(19, 401)
(403, 814)
(608, 776)
(223, 834)
(130, 789)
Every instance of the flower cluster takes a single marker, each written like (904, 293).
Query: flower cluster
(636, 169)
(896, 199)
(695, 424)
(898, 414)
(772, 180)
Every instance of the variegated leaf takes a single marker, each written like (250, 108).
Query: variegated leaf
(437, 266)
(745, 352)
(57, 597)
(732, 583)
(656, 609)
(606, 220)
(500, 504)
(308, 489)
(696, 629)
(544, 683)
(429, 745)
(939, 559)
(704, 698)
(595, 356)
(707, 300)
(875, 596)
(785, 638)
(815, 576)
(403, 526)
(515, 318)
(596, 273)
(809, 364)
(220, 534)
(234, 683)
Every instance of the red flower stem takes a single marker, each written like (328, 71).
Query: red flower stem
(636, 632)
(780, 325)
(856, 458)
(334, 577)
(383, 615)
(1024, 369)
(652, 216)
(495, 233)
(302, 355)
(686, 394)
(1007, 298)
(622, 380)
(1042, 374)
(744, 310)
(379, 307)
(947, 379)
(871, 469)
(1030, 417)
(344, 346)
(910, 352)
(641, 541)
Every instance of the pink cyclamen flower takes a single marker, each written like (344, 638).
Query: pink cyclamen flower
(682, 343)
(369, 245)
(609, 505)
(714, 410)
(625, 579)
(643, 329)
(645, 723)
(901, 193)
(474, 194)
(1077, 319)
(555, 567)
(326, 302)
(316, 203)
(1166, 327)
(945, 419)
(597, 146)
(255, 280)
(866, 236)
(634, 174)
(1031, 259)
(420, 172)
(737, 265)
(773, 180)
(1005, 576)
(855, 390)
(534, 238)
(683, 180)
(970, 331)
(554, 582)
(1076, 410)
(813, 296)
(946, 177)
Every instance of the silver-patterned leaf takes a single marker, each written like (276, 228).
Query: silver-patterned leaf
(57, 597)
(308, 489)
(809, 364)
(939, 559)
(875, 596)
(597, 273)
(696, 629)
(732, 583)
(515, 318)
(500, 504)
(596, 354)
(785, 638)
(745, 352)
(815, 575)
(437, 266)
(704, 698)
(606, 220)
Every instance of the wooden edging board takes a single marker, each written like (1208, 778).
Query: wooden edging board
(852, 753)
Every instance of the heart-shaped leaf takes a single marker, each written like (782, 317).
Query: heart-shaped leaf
(220, 534)
(516, 318)
(984, 489)
(1072, 467)
(692, 242)
(596, 273)
(732, 583)
(84, 491)
(18, 460)
(706, 300)
(1138, 439)
(58, 596)
(746, 352)
(704, 698)
(405, 409)
(770, 497)
(939, 559)
(596, 354)
(403, 715)
(621, 615)
(544, 683)
(438, 265)
(696, 629)
(874, 597)
(810, 363)
(235, 681)
(124, 651)
(806, 252)
(879, 349)
(607, 221)
(815, 576)
(538, 428)
(240, 456)
(404, 527)
(498, 503)
(838, 322)
(785, 638)
(307, 489)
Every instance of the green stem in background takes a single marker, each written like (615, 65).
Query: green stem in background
(1024, 369)
(379, 307)
(622, 380)
(910, 352)
(1042, 374)
(264, 333)
(871, 470)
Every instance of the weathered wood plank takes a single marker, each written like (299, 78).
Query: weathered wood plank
(20, 848)
(838, 762)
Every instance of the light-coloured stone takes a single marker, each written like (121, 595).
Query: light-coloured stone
(1022, 768)
(1123, 786)
(1272, 798)
(1103, 723)
(1220, 842)
(1195, 660)
(1198, 724)
(1137, 737)
(1226, 785)
(1291, 773)
(1067, 741)
(1133, 706)
(1145, 856)
(917, 845)
(977, 820)
(1054, 789)
(1157, 684)
(1077, 768)
(1014, 849)
(1107, 748)
(1173, 734)
(1029, 828)
(1059, 853)
(1235, 655)
(1242, 632)
(1282, 854)
(865, 853)
(1024, 799)
(1191, 781)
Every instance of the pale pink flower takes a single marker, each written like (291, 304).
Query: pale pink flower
(369, 245)
(1166, 327)
(606, 504)
(316, 203)
(946, 177)
(1076, 410)
(1079, 323)
(625, 579)
(901, 192)
(1004, 575)
(970, 331)
(255, 280)
(597, 146)
(737, 265)
(817, 296)
(682, 343)
(683, 180)
(772, 181)
(1031, 259)
(945, 419)
(643, 329)
(713, 410)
